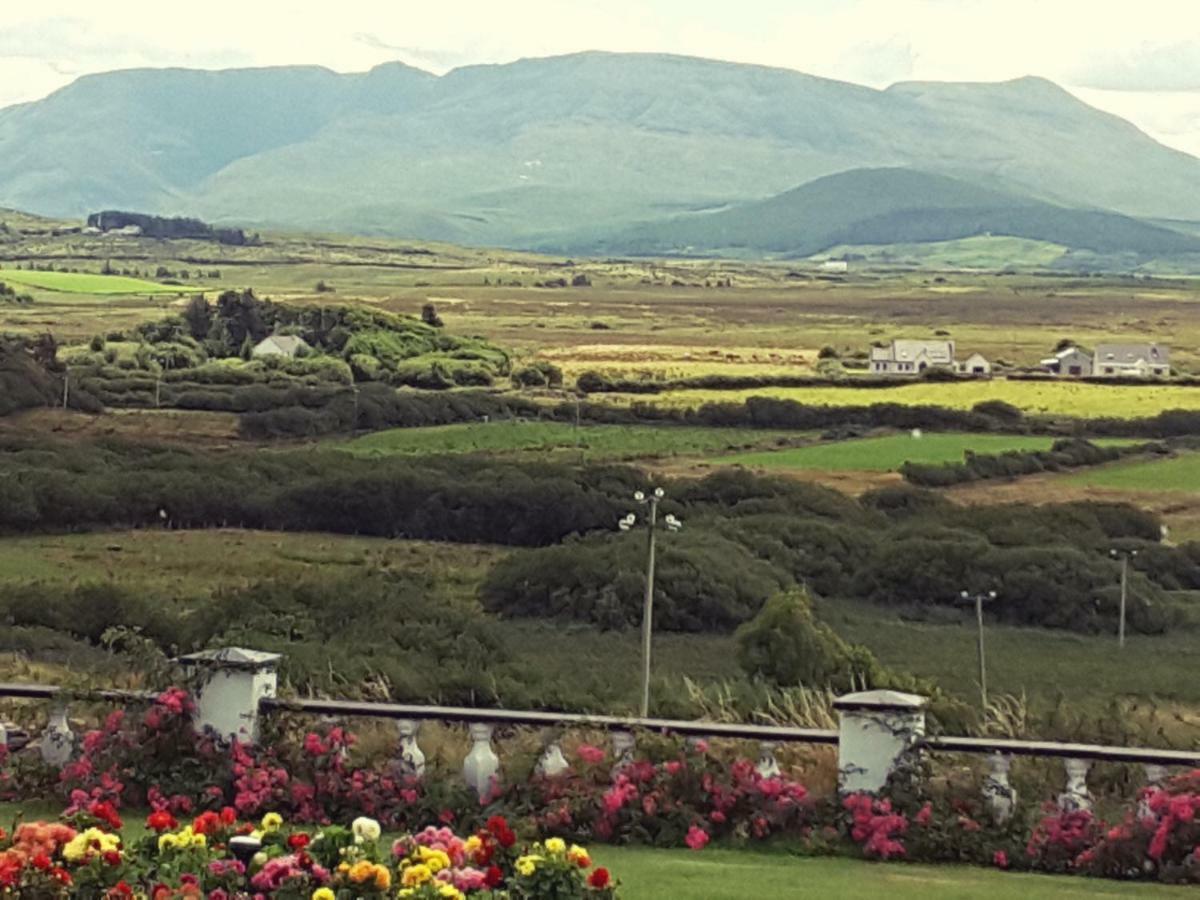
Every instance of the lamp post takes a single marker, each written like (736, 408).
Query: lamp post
(672, 524)
(979, 598)
(1124, 556)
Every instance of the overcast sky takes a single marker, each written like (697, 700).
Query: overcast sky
(1139, 59)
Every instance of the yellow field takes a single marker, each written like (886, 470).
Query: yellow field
(1053, 398)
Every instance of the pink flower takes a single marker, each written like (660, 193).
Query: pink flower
(593, 756)
(1000, 859)
(925, 815)
(697, 838)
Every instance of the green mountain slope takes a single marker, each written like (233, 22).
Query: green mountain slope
(546, 152)
(890, 206)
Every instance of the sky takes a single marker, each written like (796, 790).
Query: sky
(1139, 60)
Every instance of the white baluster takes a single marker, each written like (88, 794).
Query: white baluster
(553, 763)
(3, 736)
(412, 761)
(481, 768)
(623, 743)
(1155, 776)
(1076, 796)
(999, 793)
(768, 765)
(58, 743)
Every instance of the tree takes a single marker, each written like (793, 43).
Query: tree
(198, 315)
(247, 349)
(430, 316)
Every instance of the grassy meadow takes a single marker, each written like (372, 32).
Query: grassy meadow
(1180, 473)
(87, 283)
(594, 442)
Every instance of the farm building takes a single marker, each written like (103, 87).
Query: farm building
(908, 357)
(280, 345)
(835, 265)
(975, 364)
(1069, 361)
(1132, 360)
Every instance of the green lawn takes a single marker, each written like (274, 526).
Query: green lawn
(88, 283)
(714, 874)
(596, 441)
(885, 454)
(1180, 473)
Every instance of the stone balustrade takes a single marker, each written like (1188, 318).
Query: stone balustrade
(878, 730)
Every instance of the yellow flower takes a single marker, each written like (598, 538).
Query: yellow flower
(556, 846)
(579, 856)
(272, 821)
(167, 842)
(450, 892)
(362, 871)
(365, 829)
(472, 844)
(383, 878)
(527, 865)
(435, 859)
(199, 840)
(323, 894)
(415, 876)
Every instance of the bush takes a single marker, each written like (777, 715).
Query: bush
(786, 645)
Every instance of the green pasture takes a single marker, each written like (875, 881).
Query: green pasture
(88, 283)
(1040, 397)
(885, 454)
(1180, 473)
(595, 441)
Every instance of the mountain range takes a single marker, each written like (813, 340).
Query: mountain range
(603, 152)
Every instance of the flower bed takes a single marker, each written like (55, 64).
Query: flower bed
(682, 795)
(216, 856)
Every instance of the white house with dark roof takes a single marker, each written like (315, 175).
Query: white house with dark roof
(288, 345)
(976, 364)
(911, 357)
(1131, 361)
(1070, 361)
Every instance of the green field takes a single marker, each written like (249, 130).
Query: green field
(1045, 397)
(717, 874)
(1180, 473)
(885, 454)
(596, 441)
(87, 283)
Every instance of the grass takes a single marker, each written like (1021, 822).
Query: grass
(595, 441)
(885, 454)
(88, 283)
(1180, 473)
(719, 874)
(1045, 397)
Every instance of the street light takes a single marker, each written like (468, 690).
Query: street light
(1125, 556)
(979, 598)
(652, 525)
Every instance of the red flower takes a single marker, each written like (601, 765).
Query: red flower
(697, 838)
(41, 862)
(599, 879)
(161, 820)
(298, 841)
(494, 876)
(112, 857)
(61, 875)
(106, 813)
(1000, 859)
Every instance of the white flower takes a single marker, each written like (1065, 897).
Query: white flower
(366, 829)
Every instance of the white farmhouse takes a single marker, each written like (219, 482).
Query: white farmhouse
(288, 345)
(975, 364)
(905, 357)
(1069, 361)
(1132, 361)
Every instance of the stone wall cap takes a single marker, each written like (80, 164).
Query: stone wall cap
(880, 700)
(231, 658)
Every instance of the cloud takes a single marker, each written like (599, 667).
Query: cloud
(1149, 67)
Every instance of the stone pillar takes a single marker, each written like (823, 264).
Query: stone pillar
(481, 768)
(411, 762)
(998, 791)
(876, 729)
(58, 742)
(230, 682)
(768, 765)
(1076, 796)
(623, 744)
(552, 762)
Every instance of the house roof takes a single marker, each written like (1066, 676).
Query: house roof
(1155, 354)
(282, 343)
(231, 658)
(911, 350)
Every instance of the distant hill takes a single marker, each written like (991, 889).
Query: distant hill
(894, 206)
(557, 151)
